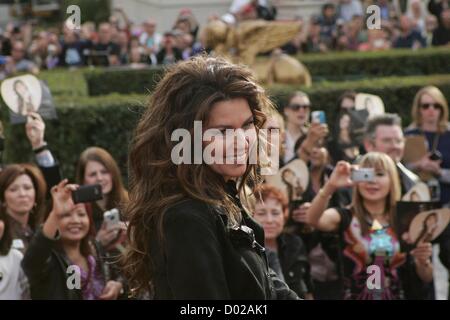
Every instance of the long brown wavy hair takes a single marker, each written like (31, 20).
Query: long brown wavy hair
(186, 94)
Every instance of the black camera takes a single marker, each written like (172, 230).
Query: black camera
(87, 193)
(436, 155)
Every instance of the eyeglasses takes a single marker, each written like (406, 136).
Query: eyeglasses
(296, 107)
(426, 106)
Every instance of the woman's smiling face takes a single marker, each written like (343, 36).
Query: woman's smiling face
(234, 116)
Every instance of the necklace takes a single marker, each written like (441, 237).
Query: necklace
(369, 220)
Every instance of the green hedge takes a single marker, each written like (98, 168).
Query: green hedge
(397, 93)
(91, 10)
(399, 62)
(108, 121)
(104, 81)
(323, 67)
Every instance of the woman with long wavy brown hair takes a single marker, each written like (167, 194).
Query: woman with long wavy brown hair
(190, 237)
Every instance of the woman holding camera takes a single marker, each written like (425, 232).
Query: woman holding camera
(373, 266)
(430, 119)
(61, 262)
(97, 166)
(190, 235)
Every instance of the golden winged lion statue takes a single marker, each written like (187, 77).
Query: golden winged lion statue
(241, 44)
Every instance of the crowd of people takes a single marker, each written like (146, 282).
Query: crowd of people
(194, 233)
(339, 213)
(345, 25)
(224, 231)
(341, 25)
(41, 224)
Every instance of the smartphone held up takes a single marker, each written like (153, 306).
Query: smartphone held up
(111, 218)
(318, 117)
(87, 193)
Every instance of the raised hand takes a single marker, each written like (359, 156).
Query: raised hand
(62, 203)
(111, 290)
(433, 166)
(422, 253)
(35, 130)
(341, 176)
(110, 236)
(316, 132)
(62, 197)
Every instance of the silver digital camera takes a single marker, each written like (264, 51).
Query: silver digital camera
(363, 175)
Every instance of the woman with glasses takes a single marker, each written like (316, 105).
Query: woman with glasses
(297, 115)
(430, 119)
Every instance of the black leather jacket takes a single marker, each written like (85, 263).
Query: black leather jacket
(294, 263)
(45, 265)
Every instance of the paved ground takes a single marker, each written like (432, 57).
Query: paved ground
(440, 276)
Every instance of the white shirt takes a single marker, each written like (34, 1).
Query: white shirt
(13, 283)
(289, 152)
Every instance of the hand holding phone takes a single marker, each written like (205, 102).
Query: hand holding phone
(111, 218)
(113, 230)
(340, 178)
(435, 155)
(318, 117)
